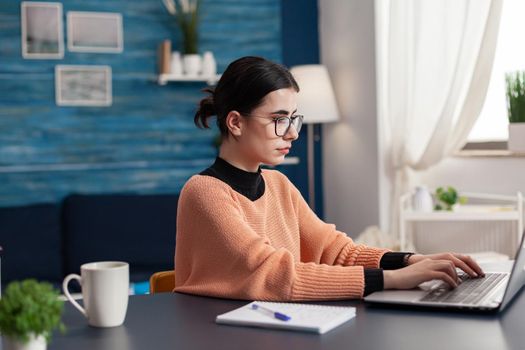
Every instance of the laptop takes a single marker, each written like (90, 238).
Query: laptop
(489, 294)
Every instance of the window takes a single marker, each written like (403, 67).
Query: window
(492, 124)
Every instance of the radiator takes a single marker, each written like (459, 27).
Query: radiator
(465, 236)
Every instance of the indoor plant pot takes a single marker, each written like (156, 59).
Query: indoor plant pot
(186, 13)
(29, 312)
(34, 343)
(515, 85)
(192, 64)
(517, 137)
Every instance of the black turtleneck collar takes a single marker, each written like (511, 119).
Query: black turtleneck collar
(250, 185)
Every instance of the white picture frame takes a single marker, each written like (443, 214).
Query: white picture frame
(42, 32)
(100, 32)
(83, 85)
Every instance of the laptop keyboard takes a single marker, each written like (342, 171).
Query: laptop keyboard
(470, 291)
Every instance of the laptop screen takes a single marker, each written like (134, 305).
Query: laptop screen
(517, 277)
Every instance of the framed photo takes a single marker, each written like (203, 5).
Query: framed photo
(83, 85)
(94, 32)
(42, 30)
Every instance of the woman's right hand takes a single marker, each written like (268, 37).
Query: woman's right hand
(422, 271)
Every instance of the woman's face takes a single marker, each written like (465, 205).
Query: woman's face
(258, 141)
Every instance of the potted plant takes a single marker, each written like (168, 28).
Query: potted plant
(186, 13)
(446, 199)
(29, 312)
(516, 110)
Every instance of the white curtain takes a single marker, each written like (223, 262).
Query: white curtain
(434, 60)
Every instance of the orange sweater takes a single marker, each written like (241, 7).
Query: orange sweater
(273, 248)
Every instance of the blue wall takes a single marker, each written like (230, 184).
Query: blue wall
(146, 141)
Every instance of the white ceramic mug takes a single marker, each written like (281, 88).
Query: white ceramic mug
(105, 289)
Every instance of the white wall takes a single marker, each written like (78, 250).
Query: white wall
(476, 174)
(350, 146)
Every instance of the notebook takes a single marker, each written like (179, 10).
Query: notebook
(303, 317)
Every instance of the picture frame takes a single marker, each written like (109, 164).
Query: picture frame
(42, 32)
(100, 32)
(83, 85)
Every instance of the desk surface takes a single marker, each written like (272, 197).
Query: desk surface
(179, 321)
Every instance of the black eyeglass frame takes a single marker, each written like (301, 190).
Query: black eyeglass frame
(277, 119)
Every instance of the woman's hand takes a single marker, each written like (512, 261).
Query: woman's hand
(464, 262)
(422, 268)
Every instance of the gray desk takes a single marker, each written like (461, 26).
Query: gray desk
(178, 321)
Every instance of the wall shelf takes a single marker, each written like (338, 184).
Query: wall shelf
(163, 79)
(459, 216)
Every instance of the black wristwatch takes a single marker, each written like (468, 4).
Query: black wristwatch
(406, 257)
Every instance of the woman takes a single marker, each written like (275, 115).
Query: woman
(247, 233)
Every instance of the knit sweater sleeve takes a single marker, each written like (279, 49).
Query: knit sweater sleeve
(219, 254)
(322, 242)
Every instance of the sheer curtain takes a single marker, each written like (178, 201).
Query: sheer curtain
(434, 60)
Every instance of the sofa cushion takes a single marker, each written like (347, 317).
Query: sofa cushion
(31, 241)
(138, 229)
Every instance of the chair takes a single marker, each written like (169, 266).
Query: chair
(162, 282)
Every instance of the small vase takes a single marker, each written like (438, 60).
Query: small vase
(422, 200)
(34, 343)
(176, 63)
(192, 64)
(209, 66)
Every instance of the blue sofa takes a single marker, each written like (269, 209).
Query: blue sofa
(49, 241)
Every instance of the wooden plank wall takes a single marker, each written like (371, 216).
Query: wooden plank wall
(146, 141)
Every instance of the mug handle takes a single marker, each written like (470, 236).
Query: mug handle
(68, 278)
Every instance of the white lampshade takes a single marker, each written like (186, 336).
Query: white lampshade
(316, 100)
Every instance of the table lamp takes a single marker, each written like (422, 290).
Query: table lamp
(316, 101)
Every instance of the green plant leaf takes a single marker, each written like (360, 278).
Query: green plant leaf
(515, 91)
(188, 23)
(447, 198)
(30, 307)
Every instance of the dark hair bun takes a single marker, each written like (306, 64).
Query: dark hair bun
(206, 110)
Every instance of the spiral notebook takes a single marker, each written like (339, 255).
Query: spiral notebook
(303, 317)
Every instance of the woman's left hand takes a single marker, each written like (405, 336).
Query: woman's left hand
(464, 262)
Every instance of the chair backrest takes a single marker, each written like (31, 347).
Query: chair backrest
(162, 282)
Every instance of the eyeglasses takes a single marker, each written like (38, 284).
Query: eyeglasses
(283, 124)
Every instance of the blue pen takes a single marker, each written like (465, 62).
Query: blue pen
(271, 313)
